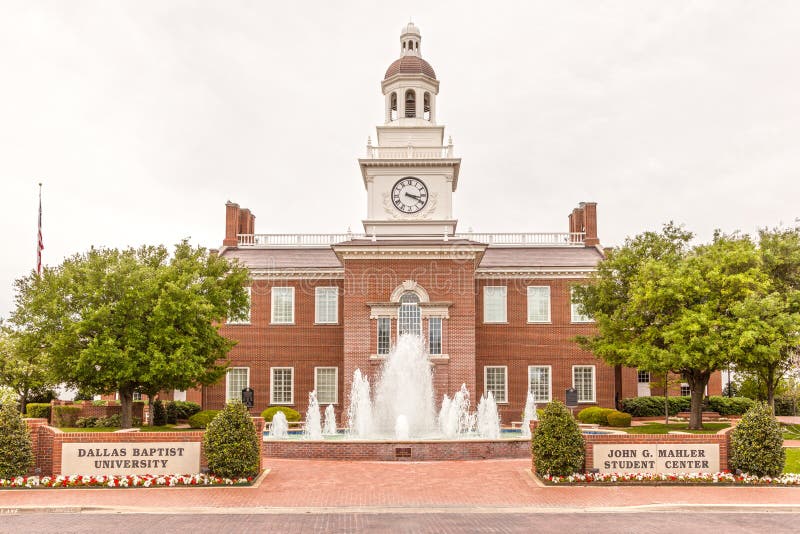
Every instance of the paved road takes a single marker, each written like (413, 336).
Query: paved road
(773, 522)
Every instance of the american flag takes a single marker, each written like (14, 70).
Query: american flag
(40, 243)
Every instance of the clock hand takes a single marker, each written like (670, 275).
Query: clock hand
(415, 197)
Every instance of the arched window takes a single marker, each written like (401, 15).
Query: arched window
(409, 321)
(411, 104)
(426, 107)
(393, 107)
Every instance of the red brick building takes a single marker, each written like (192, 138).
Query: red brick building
(494, 310)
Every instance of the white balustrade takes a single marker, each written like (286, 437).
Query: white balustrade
(518, 239)
(409, 152)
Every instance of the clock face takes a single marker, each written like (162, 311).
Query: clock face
(409, 195)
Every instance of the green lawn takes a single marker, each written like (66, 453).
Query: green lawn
(166, 428)
(792, 460)
(791, 432)
(661, 428)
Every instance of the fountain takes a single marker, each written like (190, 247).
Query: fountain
(313, 428)
(488, 418)
(397, 418)
(329, 428)
(529, 415)
(280, 426)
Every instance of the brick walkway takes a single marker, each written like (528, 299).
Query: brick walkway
(323, 484)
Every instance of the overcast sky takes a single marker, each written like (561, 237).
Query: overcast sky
(142, 118)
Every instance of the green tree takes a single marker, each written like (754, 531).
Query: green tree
(769, 322)
(663, 306)
(124, 320)
(557, 443)
(23, 366)
(757, 443)
(16, 449)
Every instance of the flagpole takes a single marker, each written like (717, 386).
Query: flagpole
(39, 241)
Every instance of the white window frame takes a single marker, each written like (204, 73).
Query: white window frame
(272, 400)
(486, 292)
(440, 321)
(378, 336)
(273, 302)
(549, 381)
(228, 398)
(640, 373)
(594, 384)
(317, 294)
(549, 305)
(249, 308)
(335, 384)
(574, 315)
(505, 379)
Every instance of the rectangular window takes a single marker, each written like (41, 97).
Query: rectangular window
(583, 382)
(384, 334)
(494, 304)
(685, 390)
(643, 377)
(435, 335)
(326, 384)
(282, 305)
(495, 379)
(539, 382)
(236, 380)
(327, 305)
(282, 385)
(246, 318)
(578, 314)
(538, 304)
(137, 395)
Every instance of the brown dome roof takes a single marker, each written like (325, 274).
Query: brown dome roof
(410, 65)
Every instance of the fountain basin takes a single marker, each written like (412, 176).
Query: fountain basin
(397, 450)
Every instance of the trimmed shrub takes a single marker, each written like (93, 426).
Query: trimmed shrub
(159, 414)
(231, 445)
(594, 415)
(16, 448)
(39, 410)
(730, 405)
(619, 419)
(65, 415)
(110, 421)
(172, 413)
(557, 443)
(186, 409)
(202, 419)
(654, 406)
(757, 443)
(291, 415)
(99, 403)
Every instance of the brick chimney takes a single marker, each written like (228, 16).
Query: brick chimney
(584, 219)
(237, 221)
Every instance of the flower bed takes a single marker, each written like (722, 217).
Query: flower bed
(789, 479)
(125, 481)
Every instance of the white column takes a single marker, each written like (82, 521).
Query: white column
(420, 102)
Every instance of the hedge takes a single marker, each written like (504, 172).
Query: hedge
(594, 415)
(202, 419)
(654, 406)
(40, 410)
(65, 415)
(291, 415)
(186, 409)
(16, 449)
(619, 419)
(787, 406)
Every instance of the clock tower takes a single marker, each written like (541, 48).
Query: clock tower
(410, 173)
